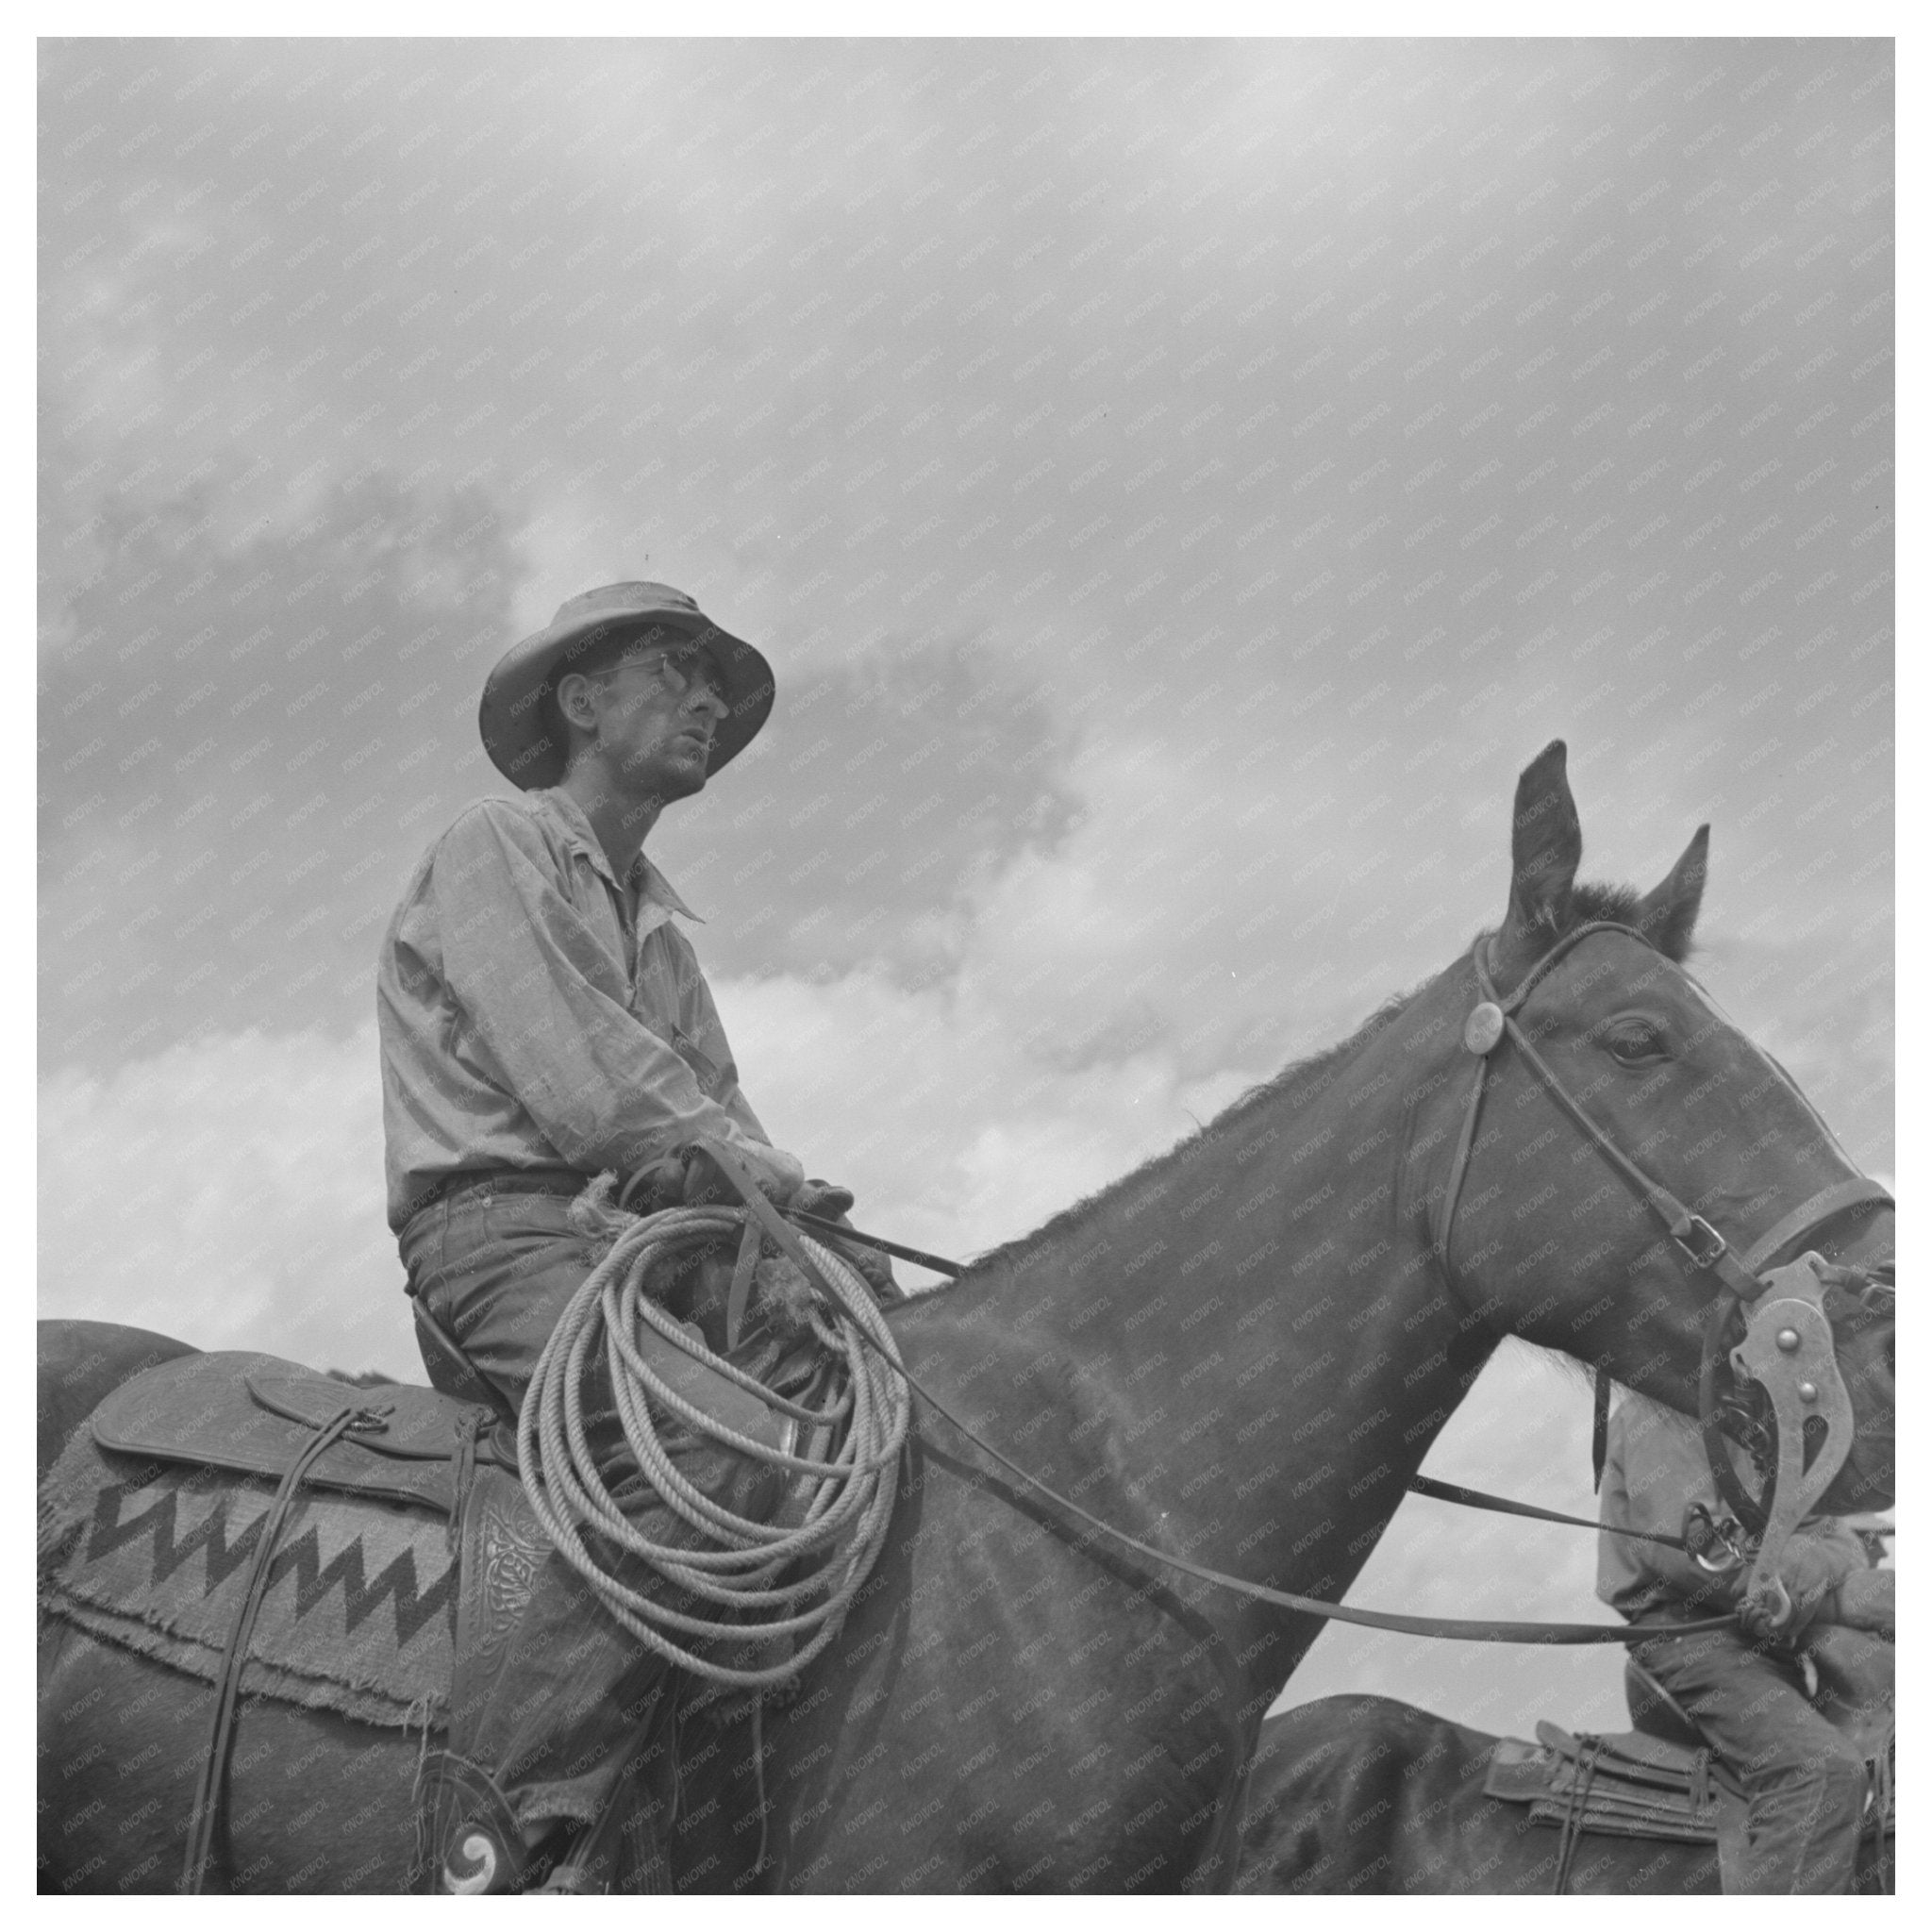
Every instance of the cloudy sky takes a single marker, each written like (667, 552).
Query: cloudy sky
(1179, 486)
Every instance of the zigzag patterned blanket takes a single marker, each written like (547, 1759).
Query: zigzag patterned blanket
(360, 1612)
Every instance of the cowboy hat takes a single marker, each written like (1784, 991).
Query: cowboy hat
(521, 730)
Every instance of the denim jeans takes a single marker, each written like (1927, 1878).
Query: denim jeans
(497, 1272)
(1805, 1783)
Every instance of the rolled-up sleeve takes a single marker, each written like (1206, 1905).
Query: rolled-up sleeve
(1839, 1538)
(546, 1006)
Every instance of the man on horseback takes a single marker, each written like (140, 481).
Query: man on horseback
(543, 1022)
(1803, 1781)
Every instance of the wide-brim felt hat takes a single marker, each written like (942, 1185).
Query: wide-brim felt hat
(522, 733)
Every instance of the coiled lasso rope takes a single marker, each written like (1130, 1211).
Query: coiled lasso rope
(741, 1560)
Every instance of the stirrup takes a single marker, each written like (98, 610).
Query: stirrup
(568, 1881)
(468, 1842)
(591, 1858)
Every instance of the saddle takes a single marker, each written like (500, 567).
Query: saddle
(1625, 1784)
(256, 1415)
(394, 1444)
(278, 1422)
(1661, 1781)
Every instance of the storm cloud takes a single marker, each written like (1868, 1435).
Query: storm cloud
(1178, 484)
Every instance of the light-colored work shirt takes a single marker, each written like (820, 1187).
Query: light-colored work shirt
(1654, 1470)
(537, 1012)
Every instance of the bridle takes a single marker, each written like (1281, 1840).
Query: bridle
(1490, 1021)
(1493, 1020)
(1788, 1347)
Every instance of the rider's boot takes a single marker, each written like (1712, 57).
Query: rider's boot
(550, 1696)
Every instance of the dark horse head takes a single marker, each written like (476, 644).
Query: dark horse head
(1679, 1090)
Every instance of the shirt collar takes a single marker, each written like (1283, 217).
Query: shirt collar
(650, 885)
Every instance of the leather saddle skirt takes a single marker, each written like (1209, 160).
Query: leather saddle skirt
(1626, 1784)
(1632, 1785)
(255, 1414)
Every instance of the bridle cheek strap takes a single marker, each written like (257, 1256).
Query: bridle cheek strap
(1493, 1020)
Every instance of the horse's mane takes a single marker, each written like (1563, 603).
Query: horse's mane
(1307, 1078)
(1621, 906)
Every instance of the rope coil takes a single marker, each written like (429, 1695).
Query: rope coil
(769, 1582)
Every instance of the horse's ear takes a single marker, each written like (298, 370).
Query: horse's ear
(1545, 849)
(1666, 916)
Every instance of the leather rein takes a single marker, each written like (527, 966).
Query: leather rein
(1458, 1493)
(1472, 1630)
(1490, 1021)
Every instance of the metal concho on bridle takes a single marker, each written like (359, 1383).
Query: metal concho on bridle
(1787, 1346)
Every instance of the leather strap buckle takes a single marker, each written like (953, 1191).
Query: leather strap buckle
(1701, 1242)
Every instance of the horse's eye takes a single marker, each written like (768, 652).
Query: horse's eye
(1635, 1040)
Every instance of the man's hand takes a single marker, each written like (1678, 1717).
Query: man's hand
(1810, 1569)
(1866, 1599)
(692, 1180)
(780, 1175)
(831, 1203)
(822, 1198)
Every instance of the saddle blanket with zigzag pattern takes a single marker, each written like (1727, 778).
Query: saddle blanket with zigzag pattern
(359, 1616)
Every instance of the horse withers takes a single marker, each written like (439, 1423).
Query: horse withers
(1239, 1354)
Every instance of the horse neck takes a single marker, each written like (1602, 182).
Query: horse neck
(1242, 1353)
